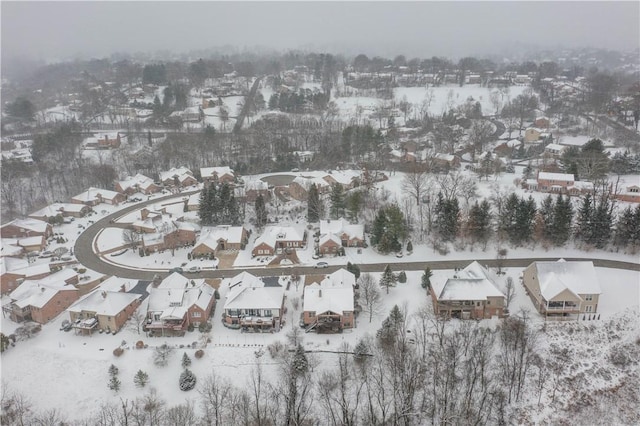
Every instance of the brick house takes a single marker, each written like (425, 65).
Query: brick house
(631, 194)
(254, 302)
(328, 306)
(213, 240)
(470, 294)
(94, 196)
(562, 288)
(252, 189)
(178, 302)
(218, 175)
(300, 186)
(275, 239)
(137, 183)
(350, 235)
(554, 182)
(61, 209)
(23, 228)
(103, 310)
(178, 177)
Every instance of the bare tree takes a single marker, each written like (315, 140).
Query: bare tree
(182, 414)
(131, 238)
(517, 341)
(370, 296)
(162, 354)
(509, 292)
(479, 134)
(215, 396)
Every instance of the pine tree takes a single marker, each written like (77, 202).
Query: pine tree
(479, 225)
(426, 278)
(114, 383)
(141, 379)
(261, 212)
(585, 214)
(113, 370)
(354, 269)
(379, 226)
(523, 227)
(601, 223)
(402, 277)
(300, 363)
(186, 361)
(562, 219)
(204, 210)
(447, 220)
(409, 247)
(337, 199)
(387, 279)
(547, 218)
(187, 380)
(314, 204)
(391, 326)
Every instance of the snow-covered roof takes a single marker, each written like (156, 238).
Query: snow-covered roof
(320, 299)
(182, 173)
(31, 241)
(177, 293)
(577, 277)
(11, 264)
(564, 177)
(34, 225)
(209, 172)
(91, 195)
(339, 278)
(102, 302)
(472, 283)
(555, 147)
(271, 234)
(250, 292)
(256, 185)
(57, 208)
(211, 235)
(444, 157)
(344, 177)
(134, 182)
(116, 284)
(38, 292)
(330, 237)
(340, 226)
(34, 270)
(307, 181)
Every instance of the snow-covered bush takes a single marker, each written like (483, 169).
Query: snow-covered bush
(187, 380)
(118, 351)
(199, 354)
(162, 354)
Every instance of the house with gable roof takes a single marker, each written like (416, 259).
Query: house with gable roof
(329, 306)
(300, 186)
(348, 234)
(470, 294)
(103, 310)
(42, 300)
(23, 228)
(562, 288)
(94, 196)
(177, 302)
(137, 183)
(178, 177)
(221, 174)
(277, 239)
(62, 210)
(213, 240)
(254, 302)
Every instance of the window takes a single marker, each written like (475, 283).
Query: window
(589, 308)
(312, 313)
(588, 297)
(196, 314)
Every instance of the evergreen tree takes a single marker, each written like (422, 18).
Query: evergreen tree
(526, 212)
(447, 219)
(624, 228)
(409, 247)
(508, 215)
(314, 204)
(141, 379)
(387, 279)
(354, 202)
(426, 278)
(379, 227)
(583, 226)
(337, 199)
(186, 361)
(261, 212)
(402, 277)
(562, 219)
(114, 383)
(354, 269)
(391, 327)
(546, 216)
(389, 228)
(479, 225)
(187, 380)
(601, 223)
(300, 363)
(113, 370)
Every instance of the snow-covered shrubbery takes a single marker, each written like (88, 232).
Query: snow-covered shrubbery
(187, 380)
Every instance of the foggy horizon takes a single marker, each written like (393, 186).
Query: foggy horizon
(56, 31)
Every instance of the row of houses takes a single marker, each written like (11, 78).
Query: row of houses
(557, 289)
(565, 183)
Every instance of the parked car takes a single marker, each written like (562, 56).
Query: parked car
(178, 270)
(321, 265)
(194, 269)
(46, 253)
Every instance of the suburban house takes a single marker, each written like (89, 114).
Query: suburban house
(554, 182)
(630, 194)
(541, 123)
(562, 288)
(41, 300)
(446, 161)
(216, 239)
(15, 271)
(177, 303)
(103, 310)
(533, 134)
(329, 306)
(95, 196)
(346, 178)
(335, 234)
(178, 177)
(137, 183)
(253, 302)
(171, 235)
(470, 294)
(23, 228)
(219, 175)
(104, 141)
(555, 150)
(32, 244)
(252, 189)
(60, 209)
(507, 148)
(276, 239)
(299, 187)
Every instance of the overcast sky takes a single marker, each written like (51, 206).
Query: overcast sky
(58, 30)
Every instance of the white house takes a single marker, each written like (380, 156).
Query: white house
(254, 302)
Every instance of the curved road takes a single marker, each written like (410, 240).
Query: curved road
(85, 254)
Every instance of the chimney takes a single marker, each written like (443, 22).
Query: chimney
(320, 293)
(104, 294)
